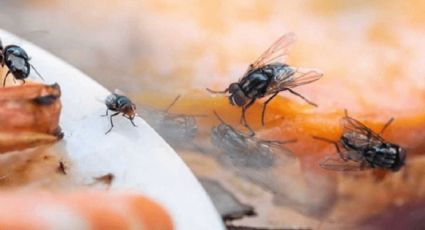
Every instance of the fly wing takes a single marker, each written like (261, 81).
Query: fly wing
(119, 92)
(279, 49)
(110, 100)
(352, 125)
(334, 162)
(292, 78)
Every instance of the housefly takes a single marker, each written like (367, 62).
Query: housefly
(268, 77)
(361, 148)
(171, 126)
(118, 103)
(245, 150)
(17, 61)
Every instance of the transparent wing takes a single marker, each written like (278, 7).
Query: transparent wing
(334, 162)
(294, 78)
(352, 125)
(278, 49)
(119, 92)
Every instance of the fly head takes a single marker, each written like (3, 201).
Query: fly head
(401, 158)
(130, 110)
(237, 96)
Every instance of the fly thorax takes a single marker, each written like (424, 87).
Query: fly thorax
(255, 84)
(122, 102)
(126, 106)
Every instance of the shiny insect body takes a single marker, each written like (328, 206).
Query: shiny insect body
(17, 61)
(268, 77)
(245, 150)
(361, 148)
(120, 104)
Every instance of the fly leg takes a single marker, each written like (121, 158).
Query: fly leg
(132, 122)
(131, 119)
(112, 124)
(302, 97)
(264, 107)
(36, 71)
(344, 157)
(1, 55)
(243, 118)
(386, 125)
(172, 103)
(106, 114)
(5, 77)
(218, 92)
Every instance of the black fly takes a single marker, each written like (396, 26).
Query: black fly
(17, 61)
(119, 103)
(363, 149)
(245, 150)
(268, 77)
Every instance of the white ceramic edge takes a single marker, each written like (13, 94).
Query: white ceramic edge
(155, 170)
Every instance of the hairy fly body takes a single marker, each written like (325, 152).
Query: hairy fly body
(118, 103)
(17, 61)
(361, 148)
(268, 77)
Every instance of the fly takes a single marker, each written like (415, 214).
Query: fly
(17, 61)
(361, 148)
(120, 104)
(268, 77)
(245, 150)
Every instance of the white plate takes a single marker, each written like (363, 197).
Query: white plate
(138, 157)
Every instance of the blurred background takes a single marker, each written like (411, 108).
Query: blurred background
(370, 51)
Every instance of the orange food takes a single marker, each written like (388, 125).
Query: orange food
(288, 117)
(81, 210)
(30, 116)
